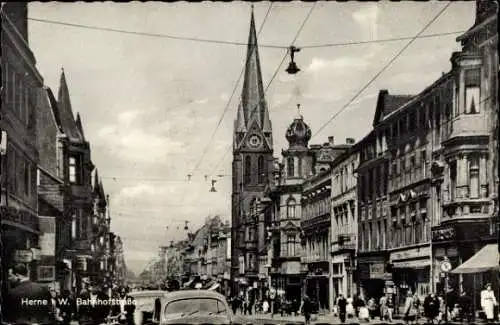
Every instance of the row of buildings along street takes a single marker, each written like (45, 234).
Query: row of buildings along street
(371, 217)
(54, 211)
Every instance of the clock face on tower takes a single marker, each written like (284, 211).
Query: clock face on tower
(254, 141)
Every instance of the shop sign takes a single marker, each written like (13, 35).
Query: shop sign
(46, 273)
(377, 270)
(37, 254)
(414, 253)
(442, 234)
(23, 256)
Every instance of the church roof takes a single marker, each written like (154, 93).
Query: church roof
(253, 103)
(68, 123)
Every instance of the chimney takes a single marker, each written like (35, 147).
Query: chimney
(350, 141)
(331, 140)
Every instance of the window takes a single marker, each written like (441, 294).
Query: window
(453, 179)
(27, 178)
(261, 170)
(342, 180)
(247, 170)
(290, 209)
(423, 158)
(290, 243)
(75, 176)
(73, 227)
(474, 177)
(205, 306)
(370, 236)
(472, 91)
(290, 165)
(362, 238)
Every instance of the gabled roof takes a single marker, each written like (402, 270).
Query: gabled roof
(53, 106)
(79, 126)
(386, 104)
(68, 122)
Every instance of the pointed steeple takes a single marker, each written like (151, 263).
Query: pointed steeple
(78, 122)
(96, 182)
(66, 111)
(252, 96)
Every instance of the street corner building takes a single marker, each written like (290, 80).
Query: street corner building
(54, 218)
(428, 177)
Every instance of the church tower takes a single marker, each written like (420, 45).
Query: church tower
(252, 162)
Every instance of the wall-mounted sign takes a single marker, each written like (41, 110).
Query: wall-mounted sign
(37, 254)
(23, 256)
(46, 273)
(412, 253)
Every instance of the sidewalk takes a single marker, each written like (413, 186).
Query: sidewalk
(320, 319)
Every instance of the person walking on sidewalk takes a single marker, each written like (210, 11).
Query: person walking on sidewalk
(342, 305)
(307, 309)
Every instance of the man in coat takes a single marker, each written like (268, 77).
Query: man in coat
(342, 305)
(124, 307)
(94, 306)
(27, 302)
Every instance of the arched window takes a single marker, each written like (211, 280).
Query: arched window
(290, 208)
(247, 170)
(290, 165)
(261, 170)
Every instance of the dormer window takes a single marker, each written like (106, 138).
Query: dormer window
(75, 169)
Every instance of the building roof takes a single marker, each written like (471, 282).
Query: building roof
(387, 103)
(68, 123)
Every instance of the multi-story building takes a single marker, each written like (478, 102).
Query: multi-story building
(315, 227)
(465, 160)
(21, 85)
(76, 171)
(441, 152)
(251, 169)
(316, 221)
(344, 222)
(55, 225)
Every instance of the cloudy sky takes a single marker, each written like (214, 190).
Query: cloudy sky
(149, 105)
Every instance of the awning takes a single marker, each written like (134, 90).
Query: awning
(414, 264)
(214, 286)
(485, 260)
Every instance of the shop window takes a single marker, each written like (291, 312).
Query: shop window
(474, 177)
(472, 91)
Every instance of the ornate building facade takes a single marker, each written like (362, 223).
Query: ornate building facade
(252, 166)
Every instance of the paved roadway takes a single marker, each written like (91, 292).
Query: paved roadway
(277, 319)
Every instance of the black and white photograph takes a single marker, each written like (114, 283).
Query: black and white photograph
(249, 162)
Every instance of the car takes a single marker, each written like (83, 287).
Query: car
(191, 307)
(145, 304)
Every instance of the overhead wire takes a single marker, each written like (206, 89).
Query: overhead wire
(375, 77)
(235, 88)
(235, 43)
(275, 72)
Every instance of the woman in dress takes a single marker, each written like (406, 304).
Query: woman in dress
(410, 309)
(488, 302)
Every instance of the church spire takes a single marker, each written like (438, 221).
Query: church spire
(253, 107)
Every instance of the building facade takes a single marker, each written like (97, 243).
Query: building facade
(21, 85)
(344, 222)
(465, 161)
(251, 168)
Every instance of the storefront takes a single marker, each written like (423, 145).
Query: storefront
(373, 276)
(317, 286)
(411, 272)
(342, 275)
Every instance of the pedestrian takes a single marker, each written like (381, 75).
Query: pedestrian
(265, 306)
(390, 307)
(342, 308)
(465, 302)
(67, 307)
(350, 312)
(125, 307)
(23, 289)
(431, 308)
(383, 308)
(372, 307)
(307, 309)
(488, 303)
(94, 308)
(410, 310)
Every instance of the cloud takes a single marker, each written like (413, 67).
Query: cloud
(367, 18)
(224, 97)
(201, 101)
(126, 118)
(342, 63)
(138, 190)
